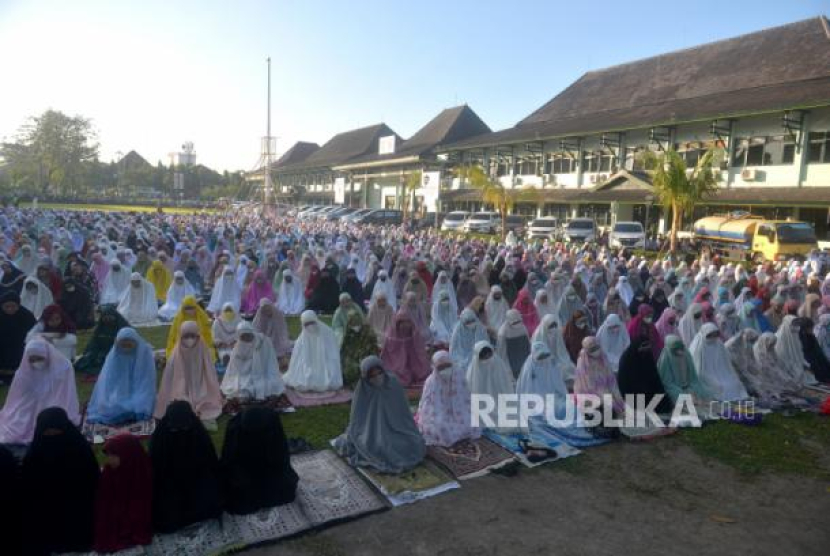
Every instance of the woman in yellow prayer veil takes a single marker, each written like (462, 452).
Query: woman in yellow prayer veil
(190, 310)
(160, 277)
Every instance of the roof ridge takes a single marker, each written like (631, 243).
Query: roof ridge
(824, 23)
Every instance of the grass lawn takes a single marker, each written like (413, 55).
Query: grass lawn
(118, 208)
(795, 445)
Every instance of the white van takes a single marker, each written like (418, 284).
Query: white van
(454, 221)
(628, 234)
(581, 230)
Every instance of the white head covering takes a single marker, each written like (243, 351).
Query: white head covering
(549, 331)
(688, 326)
(468, 331)
(491, 377)
(139, 304)
(444, 284)
(291, 297)
(546, 307)
(315, 361)
(714, 366)
(613, 339)
(790, 352)
(496, 309)
(253, 372)
(541, 376)
(175, 295)
(444, 409)
(35, 302)
(384, 284)
(226, 290)
(773, 377)
(625, 290)
(115, 284)
(443, 318)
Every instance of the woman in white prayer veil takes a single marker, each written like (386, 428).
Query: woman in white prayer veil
(380, 316)
(489, 375)
(544, 304)
(613, 339)
(728, 321)
(291, 297)
(714, 366)
(139, 305)
(223, 331)
(178, 290)
(468, 331)
(35, 296)
(791, 353)
(543, 377)
(773, 378)
(385, 285)
(315, 361)
(115, 284)
(625, 290)
(444, 284)
(739, 348)
(496, 307)
(359, 267)
(443, 318)
(253, 372)
(550, 333)
(226, 290)
(690, 324)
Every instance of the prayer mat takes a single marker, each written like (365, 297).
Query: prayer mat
(424, 481)
(264, 526)
(280, 404)
(98, 433)
(313, 399)
(330, 490)
(820, 387)
(470, 458)
(537, 436)
(207, 538)
(573, 435)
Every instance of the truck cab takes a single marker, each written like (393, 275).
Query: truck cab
(744, 236)
(780, 240)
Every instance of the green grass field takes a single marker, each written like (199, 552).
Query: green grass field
(118, 208)
(795, 445)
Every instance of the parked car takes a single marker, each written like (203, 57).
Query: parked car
(482, 222)
(454, 221)
(627, 234)
(380, 217)
(581, 230)
(543, 228)
(310, 212)
(515, 223)
(426, 221)
(356, 214)
(339, 213)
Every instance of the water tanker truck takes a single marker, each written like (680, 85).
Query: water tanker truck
(744, 236)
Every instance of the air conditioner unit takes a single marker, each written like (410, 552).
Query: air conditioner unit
(749, 174)
(602, 178)
(594, 178)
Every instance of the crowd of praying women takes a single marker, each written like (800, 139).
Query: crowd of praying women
(410, 311)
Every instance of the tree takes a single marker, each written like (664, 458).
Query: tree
(53, 152)
(412, 184)
(494, 193)
(679, 189)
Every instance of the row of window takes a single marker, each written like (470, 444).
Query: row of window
(749, 151)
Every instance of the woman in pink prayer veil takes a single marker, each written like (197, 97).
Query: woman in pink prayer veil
(44, 379)
(190, 375)
(404, 351)
(259, 288)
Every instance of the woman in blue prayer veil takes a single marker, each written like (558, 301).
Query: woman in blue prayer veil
(126, 388)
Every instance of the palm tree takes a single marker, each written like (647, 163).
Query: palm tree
(494, 193)
(679, 189)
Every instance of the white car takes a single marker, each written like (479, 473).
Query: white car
(454, 221)
(542, 228)
(628, 234)
(580, 230)
(482, 222)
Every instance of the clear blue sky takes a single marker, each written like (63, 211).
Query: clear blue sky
(153, 74)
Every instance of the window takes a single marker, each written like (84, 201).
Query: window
(764, 151)
(590, 162)
(819, 148)
(561, 163)
(634, 158)
(528, 166)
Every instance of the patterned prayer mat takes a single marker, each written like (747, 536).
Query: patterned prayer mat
(97, 433)
(420, 483)
(470, 458)
(330, 490)
(280, 404)
(313, 399)
(207, 538)
(264, 526)
(537, 436)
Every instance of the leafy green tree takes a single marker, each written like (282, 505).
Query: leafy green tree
(679, 189)
(412, 184)
(52, 153)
